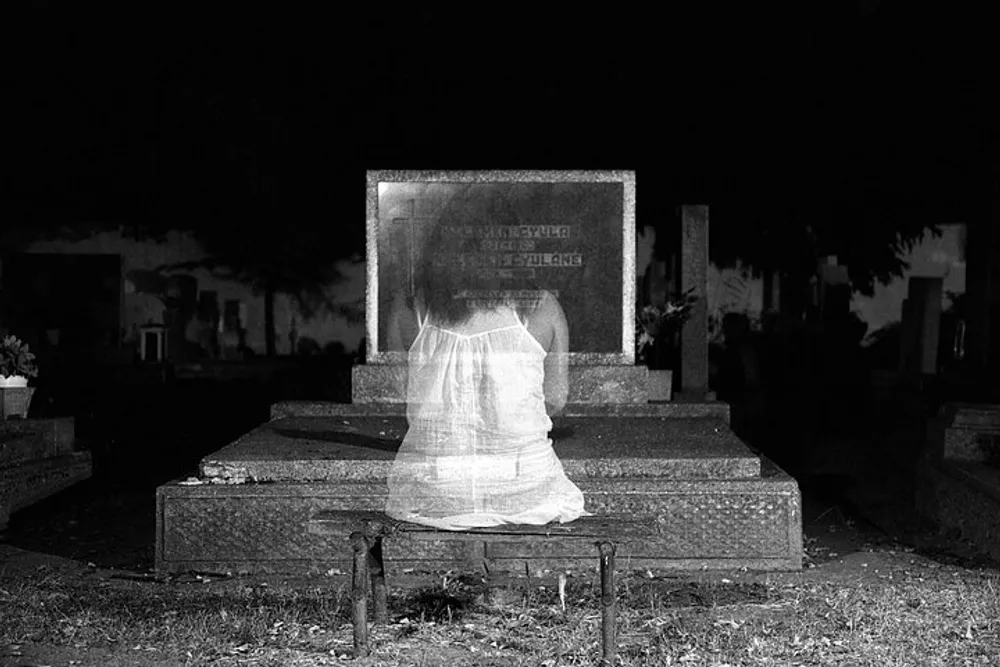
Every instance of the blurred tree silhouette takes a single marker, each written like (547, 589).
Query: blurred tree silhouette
(870, 243)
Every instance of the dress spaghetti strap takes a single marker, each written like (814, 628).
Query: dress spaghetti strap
(421, 321)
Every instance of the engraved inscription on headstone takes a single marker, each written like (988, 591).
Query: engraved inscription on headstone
(562, 237)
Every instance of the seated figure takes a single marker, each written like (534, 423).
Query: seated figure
(487, 371)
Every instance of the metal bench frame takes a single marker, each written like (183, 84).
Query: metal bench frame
(366, 531)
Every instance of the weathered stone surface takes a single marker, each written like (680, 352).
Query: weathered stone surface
(962, 444)
(982, 478)
(694, 278)
(607, 384)
(678, 408)
(286, 409)
(378, 383)
(29, 439)
(974, 434)
(386, 383)
(363, 448)
(27, 483)
(971, 416)
(965, 496)
(961, 489)
(693, 524)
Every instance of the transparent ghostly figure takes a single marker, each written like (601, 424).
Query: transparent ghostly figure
(487, 356)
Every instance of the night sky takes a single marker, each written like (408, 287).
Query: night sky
(125, 114)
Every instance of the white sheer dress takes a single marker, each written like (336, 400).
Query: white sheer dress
(477, 451)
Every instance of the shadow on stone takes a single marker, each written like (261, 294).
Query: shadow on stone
(342, 438)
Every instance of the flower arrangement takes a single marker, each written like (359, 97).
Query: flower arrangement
(655, 321)
(16, 359)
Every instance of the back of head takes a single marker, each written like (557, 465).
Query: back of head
(461, 270)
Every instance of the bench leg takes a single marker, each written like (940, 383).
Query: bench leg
(359, 594)
(608, 604)
(379, 593)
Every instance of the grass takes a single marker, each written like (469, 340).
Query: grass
(907, 610)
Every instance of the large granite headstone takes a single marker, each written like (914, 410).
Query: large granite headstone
(571, 233)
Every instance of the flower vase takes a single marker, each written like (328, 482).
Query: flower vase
(15, 401)
(659, 385)
(661, 360)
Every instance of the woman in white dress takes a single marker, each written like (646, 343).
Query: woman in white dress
(486, 373)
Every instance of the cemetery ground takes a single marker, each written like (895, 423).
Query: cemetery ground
(878, 588)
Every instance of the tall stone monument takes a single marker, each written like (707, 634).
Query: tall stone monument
(569, 233)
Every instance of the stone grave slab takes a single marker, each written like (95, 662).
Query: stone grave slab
(962, 486)
(309, 449)
(974, 434)
(29, 439)
(37, 460)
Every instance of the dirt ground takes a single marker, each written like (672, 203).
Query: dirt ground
(854, 522)
(838, 549)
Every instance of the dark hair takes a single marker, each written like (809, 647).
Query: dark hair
(454, 278)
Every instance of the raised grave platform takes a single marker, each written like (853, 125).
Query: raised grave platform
(710, 501)
(37, 460)
(963, 482)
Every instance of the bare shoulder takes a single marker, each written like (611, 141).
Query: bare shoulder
(546, 320)
(547, 305)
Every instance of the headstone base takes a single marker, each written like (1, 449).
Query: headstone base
(588, 384)
(678, 408)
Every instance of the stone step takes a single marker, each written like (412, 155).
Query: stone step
(23, 440)
(679, 409)
(261, 528)
(363, 448)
